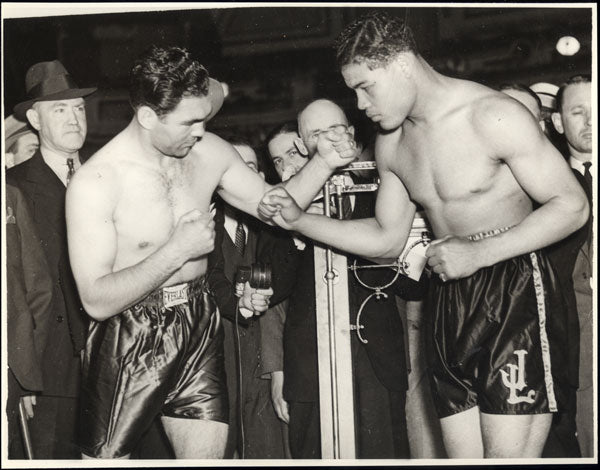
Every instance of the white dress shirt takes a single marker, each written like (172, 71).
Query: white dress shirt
(58, 164)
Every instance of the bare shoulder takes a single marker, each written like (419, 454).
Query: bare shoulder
(496, 110)
(212, 145)
(98, 177)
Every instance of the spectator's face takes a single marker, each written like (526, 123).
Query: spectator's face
(318, 117)
(61, 125)
(248, 155)
(27, 145)
(575, 119)
(285, 156)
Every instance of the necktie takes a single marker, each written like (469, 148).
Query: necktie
(587, 174)
(240, 238)
(71, 170)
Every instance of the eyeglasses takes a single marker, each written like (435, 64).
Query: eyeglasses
(337, 128)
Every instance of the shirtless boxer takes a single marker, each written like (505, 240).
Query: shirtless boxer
(139, 230)
(476, 161)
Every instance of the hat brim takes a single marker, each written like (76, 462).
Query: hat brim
(216, 96)
(22, 108)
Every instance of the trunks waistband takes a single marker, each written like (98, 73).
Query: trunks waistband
(489, 233)
(177, 294)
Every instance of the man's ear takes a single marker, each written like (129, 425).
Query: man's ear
(351, 131)
(146, 116)
(557, 122)
(34, 118)
(299, 143)
(262, 175)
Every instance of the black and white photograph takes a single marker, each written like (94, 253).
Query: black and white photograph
(299, 234)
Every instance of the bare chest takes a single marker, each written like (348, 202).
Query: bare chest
(445, 165)
(152, 201)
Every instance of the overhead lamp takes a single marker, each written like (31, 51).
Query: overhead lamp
(568, 45)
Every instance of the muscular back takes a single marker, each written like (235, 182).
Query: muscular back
(456, 165)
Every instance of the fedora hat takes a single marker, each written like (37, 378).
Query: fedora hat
(48, 81)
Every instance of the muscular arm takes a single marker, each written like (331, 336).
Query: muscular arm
(92, 238)
(243, 188)
(542, 173)
(383, 236)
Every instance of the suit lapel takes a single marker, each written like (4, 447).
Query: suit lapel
(48, 193)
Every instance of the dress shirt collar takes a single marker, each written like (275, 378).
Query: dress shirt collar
(577, 165)
(231, 226)
(58, 163)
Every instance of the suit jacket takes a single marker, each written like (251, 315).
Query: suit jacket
(383, 326)
(565, 255)
(29, 294)
(45, 196)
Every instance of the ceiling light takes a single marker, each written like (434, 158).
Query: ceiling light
(568, 45)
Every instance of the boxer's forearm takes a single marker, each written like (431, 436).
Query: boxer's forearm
(362, 237)
(305, 185)
(551, 222)
(115, 292)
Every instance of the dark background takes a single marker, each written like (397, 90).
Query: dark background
(275, 59)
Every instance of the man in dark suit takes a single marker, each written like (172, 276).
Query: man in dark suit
(254, 430)
(56, 109)
(379, 367)
(29, 309)
(573, 256)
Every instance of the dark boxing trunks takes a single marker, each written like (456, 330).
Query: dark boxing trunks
(499, 339)
(161, 356)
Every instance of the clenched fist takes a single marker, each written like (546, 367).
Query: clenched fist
(194, 234)
(280, 207)
(454, 257)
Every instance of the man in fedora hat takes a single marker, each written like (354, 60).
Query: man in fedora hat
(55, 108)
(140, 227)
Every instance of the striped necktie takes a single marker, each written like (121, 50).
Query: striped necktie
(240, 238)
(71, 170)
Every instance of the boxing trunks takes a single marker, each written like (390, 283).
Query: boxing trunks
(499, 339)
(163, 356)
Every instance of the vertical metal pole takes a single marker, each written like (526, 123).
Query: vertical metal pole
(335, 361)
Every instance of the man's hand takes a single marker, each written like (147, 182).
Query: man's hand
(336, 149)
(254, 301)
(280, 405)
(454, 258)
(279, 206)
(194, 235)
(29, 402)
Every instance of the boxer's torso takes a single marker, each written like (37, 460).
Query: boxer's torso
(456, 176)
(148, 197)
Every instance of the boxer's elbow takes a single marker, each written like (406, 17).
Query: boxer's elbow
(580, 210)
(96, 308)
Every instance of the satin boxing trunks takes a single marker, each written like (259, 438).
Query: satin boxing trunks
(163, 356)
(499, 339)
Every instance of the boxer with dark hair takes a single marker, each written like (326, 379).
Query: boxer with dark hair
(140, 228)
(476, 161)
